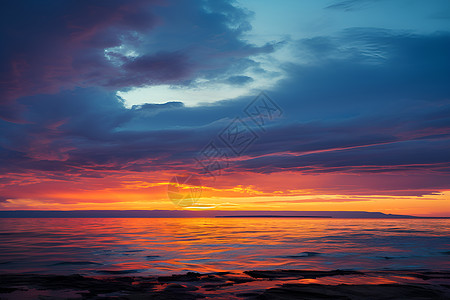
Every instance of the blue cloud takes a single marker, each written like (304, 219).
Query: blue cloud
(239, 80)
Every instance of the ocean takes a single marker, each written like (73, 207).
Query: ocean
(158, 246)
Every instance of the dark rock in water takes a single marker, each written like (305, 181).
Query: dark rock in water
(5, 290)
(248, 295)
(353, 292)
(179, 287)
(427, 275)
(298, 273)
(214, 287)
(118, 272)
(189, 276)
(72, 282)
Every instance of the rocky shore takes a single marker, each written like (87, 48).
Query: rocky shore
(270, 284)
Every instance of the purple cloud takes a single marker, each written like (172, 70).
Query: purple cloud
(118, 44)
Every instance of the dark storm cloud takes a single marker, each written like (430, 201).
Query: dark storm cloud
(52, 45)
(42, 39)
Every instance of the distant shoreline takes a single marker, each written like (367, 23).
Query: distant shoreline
(273, 216)
(330, 217)
(203, 214)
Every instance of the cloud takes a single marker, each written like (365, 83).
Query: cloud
(368, 101)
(118, 44)
(4, 198)
(239, 80)
(349, 5)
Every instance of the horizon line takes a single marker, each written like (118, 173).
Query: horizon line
(202, 214)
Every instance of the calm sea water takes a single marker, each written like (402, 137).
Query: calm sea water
(177, 245)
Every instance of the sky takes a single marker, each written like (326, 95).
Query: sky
(300, 105)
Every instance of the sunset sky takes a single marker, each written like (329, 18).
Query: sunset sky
(102, 103)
